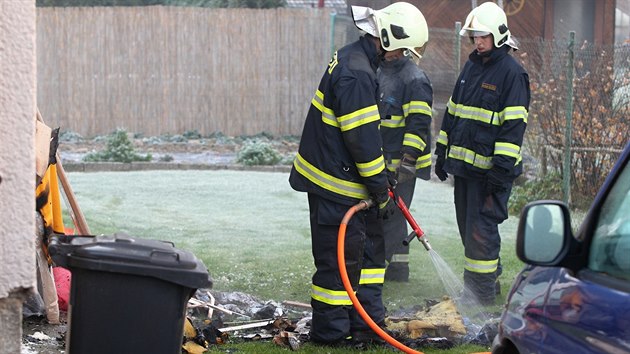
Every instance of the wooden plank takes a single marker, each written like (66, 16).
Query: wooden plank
(247, 326)
(297, 304)
(75, 212)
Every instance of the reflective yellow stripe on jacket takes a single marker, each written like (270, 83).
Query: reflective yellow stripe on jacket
(417, 107)
(328, 115)
(329, 182)
(422, 162)
(349, 121)
(357, 118)
(481, 161)
(414, 141)
(442, 138)
(371, 168)
(408, 108)
(507, 149)
(479, 114)
(470, 157)
(393, 122)
(486, 116)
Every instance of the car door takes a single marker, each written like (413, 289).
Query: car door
(589, 312)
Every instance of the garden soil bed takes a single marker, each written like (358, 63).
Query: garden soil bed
(204, 151)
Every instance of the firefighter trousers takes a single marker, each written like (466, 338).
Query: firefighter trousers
(395, 229)
(478, 216)
(334, 317)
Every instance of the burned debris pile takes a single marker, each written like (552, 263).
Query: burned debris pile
(222, 318)
(217, 318)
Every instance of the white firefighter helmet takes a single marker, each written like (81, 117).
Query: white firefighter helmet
(488, 18)
(399, 25)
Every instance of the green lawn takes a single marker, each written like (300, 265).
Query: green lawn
(252, 231)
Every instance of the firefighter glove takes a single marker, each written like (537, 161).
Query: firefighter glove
(406, 170)
(495, 180)
(386, 206)
(391, 179)
(439, 168)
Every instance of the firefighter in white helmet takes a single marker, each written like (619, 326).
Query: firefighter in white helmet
(480, 144)
(488, 19)
(340, 162)
(398, 26)
(405, 99)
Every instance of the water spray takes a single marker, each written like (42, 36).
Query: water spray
(451, 282)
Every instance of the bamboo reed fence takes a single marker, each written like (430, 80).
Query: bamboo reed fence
(167, 70)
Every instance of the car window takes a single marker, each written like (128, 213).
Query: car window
(610, 249)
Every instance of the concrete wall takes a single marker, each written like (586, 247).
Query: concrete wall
(17, 165)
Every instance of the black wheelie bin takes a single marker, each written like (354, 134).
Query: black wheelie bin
(127, 295)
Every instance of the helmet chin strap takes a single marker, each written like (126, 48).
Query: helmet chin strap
(381, 55)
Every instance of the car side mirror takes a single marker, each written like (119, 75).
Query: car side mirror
(544, 233)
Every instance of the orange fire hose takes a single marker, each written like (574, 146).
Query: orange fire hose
(341, 260)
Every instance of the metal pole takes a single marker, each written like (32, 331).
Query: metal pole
(458, 49)
(333, 17)
(566, 173)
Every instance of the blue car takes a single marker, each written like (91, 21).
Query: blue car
(573, 296)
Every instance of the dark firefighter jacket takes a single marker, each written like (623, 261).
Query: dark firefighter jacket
(405, 99)
(486, 117)
(340, 156)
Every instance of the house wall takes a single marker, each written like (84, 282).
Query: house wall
(591, 19)
(622, 22)
(17, 165)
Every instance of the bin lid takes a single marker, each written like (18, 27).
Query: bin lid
(121, 253)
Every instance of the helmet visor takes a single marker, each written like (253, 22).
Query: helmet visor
(478, 33)
(474, 28)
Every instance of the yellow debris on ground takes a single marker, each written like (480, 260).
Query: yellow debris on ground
(445, 315)
(189, 330)
(190, 333)
(440, 320)
(193, 348)
(418, 328)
